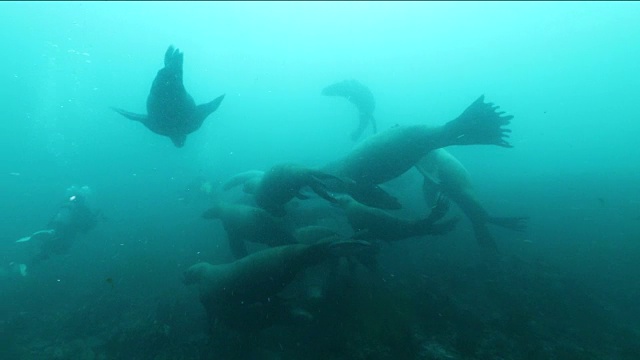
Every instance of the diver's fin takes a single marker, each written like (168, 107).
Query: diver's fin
(37, 235)
(24, 239)
(480, 123)
(131, 116)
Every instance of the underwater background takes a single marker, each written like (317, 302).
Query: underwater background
(569, 72)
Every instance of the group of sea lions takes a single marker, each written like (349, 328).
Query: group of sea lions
(245, 291)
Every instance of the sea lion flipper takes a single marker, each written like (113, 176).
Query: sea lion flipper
(131, 116)
(204, 110)
(173, 58)
(374, 196)
(484, 237)
(319, 188)
(365, 119)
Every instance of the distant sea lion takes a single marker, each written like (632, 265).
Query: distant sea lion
(171, 110)
(282, 182)
(370, 223)
(389, 154)
(243, 294)
(444, 173)
(247, 223)
(360, 96)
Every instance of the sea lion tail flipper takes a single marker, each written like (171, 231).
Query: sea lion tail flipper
(480, 123)
(514, 223)
(131, 116)
(365, 119)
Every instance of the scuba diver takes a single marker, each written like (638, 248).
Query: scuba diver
(72, 218)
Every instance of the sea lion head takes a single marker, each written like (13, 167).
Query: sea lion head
(212, 213)
(194, 273)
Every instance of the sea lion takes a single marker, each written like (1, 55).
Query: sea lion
(171, 110)
(370, 223)
(389, 154)
(248, 179)
(360, 96)
(283, 182)
(243, 294)
(444, 173)
(247, 223)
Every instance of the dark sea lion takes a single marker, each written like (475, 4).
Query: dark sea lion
(247, 223)
(370, 223)
(171, 111)
(283, 182)
(243, 294)
(360, 96)
(444, 173)
(389, 154)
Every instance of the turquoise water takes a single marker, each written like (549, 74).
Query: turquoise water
(569, 72)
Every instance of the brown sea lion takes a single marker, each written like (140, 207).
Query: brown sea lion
(444, 173)
(283, 182)
(370, 223)
(171, 111)
(243, 294)
(389, 154)
(247, 223)
(360, 96)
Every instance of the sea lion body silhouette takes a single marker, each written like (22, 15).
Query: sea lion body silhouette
(360, 96)
(444, 173)
(171, 111)
(389, 154)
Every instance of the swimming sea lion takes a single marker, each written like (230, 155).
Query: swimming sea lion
(444, 173)
(248, 179)
(250, 285)
(370, 223)
(171, 110)
(283, 182)
(360, 96)
(247, 223)
(391, 153)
